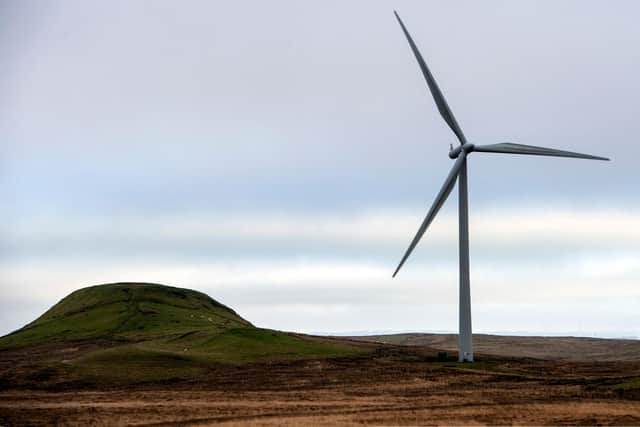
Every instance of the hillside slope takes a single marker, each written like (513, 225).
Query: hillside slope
(141, 332)
(127, 311)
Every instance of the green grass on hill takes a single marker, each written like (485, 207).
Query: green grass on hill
(149, 332)
(190, 356)
(244, 344)
(127, 311)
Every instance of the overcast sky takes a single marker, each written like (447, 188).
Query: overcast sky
(280, 156)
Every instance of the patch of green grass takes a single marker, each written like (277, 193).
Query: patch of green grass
(633, 384)
(134, 364)
(190, 356)
(249, 344)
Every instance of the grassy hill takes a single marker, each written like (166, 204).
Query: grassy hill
(139, 332)
(127, 311)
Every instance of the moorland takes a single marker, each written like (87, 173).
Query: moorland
(148, 354)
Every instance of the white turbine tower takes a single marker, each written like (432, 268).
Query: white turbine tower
(459, 173)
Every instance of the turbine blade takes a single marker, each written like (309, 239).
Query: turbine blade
(443, 107)
(437, 204)
(532, 150)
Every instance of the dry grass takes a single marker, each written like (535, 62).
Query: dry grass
(390, 386)
(555, 348)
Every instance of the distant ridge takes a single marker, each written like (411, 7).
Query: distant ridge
(550, 348)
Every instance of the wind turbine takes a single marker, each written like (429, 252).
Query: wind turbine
(459, 172)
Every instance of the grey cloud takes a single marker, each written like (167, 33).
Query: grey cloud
(123, 110)
(520, 235)
(292, 106)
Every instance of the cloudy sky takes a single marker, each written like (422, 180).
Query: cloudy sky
(280, 156)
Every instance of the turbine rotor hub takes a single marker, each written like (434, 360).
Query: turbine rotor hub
(455, 152)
